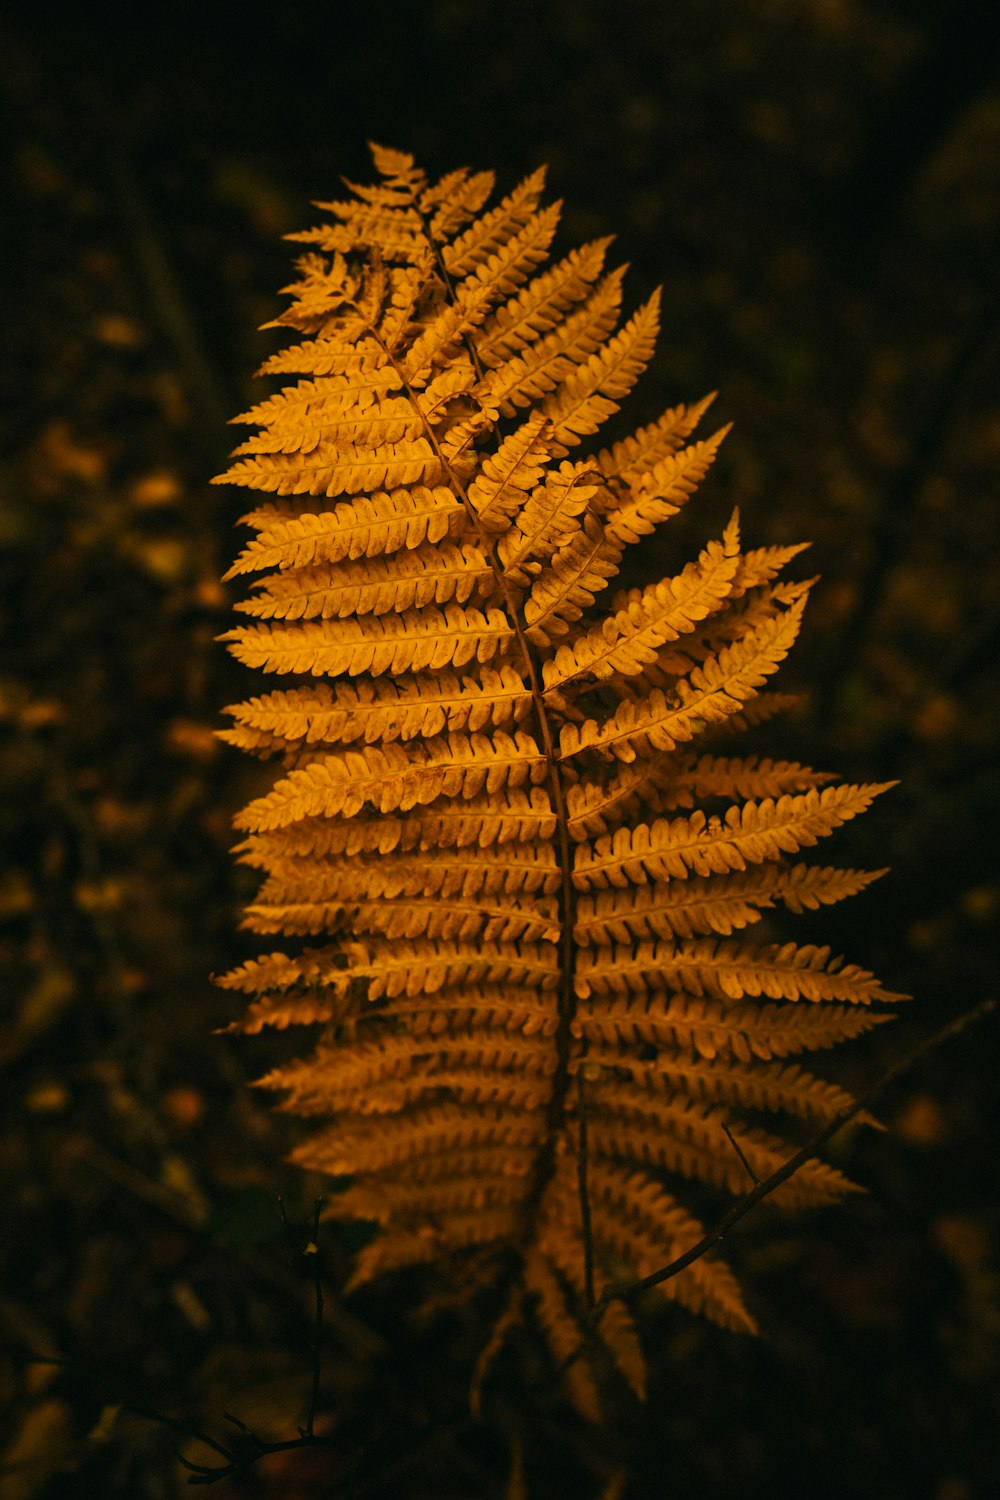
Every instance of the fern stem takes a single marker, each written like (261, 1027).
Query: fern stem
(567, 998)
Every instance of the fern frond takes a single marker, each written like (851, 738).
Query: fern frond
(496, 276)
(414, 641)
(367, 527)
(701, 778)
(631, 460)
(379, 710)
(505, 478)
(338, 423)
(714, 1028)
(644, 619)
(762, 565)
(639, 1225)
(619, 1334)
(399, 1200)
(756, 711)
(664, 490)
(371, 1077)
(330, 469)
(513, 1007)
(396, 230)
(708, 696)
(329, 357)
(408, 1247)
(712, 905)
(562, 1331)
(300, 403)
(396, 165)
(548, 521)
(500, 869)
(680, 1135)
(593, 392)
(710, 967)
(505, 892)
(487, 235)
(376, 586)
(750, 834)
(770, 1086)
(498, 918)
(504, 919)
(490, 850)
(392, 777)
(511, 816)
(539, 369)
(541, 306)
(570, 583)
(415, 1137)
(455, 200)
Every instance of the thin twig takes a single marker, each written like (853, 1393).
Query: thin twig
(313, 1249)
(621, 1290)
(177, 1424)
(741, 1154)
(247, 1447)
(254, 1448)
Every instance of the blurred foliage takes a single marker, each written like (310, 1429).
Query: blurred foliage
(827, 227)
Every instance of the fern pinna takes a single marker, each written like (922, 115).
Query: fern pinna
(516, 886)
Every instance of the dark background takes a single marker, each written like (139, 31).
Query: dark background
(816, 184)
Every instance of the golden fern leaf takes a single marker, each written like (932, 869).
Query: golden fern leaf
(707, 967)
(455, 200)
(630, 460)
(520, 816)
(641, 1227)
(548, 521)
(391, 777)
(541, 305)
(379, 709)
(366, 527)
(698, 778)
(716, 904)
(749, 834)
(540, 369)
(707, 696)
(712, 1027)
(570, 583)
(489, 233)
(644, 619)
(561, 1329)
(592, 393)
(771, 1086)
(662, 491)
(504, 869)
(495, 277)
(375, 586)
(686, 1137)
(493, 820)
(331, 469)
(330, 393)
(501, 487)
(414, 641)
